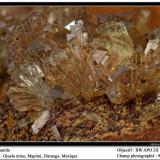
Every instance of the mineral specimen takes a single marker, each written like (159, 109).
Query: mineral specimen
(28, 72)
(87, 65)
(140, 76)
(40, 122)
(47, 68)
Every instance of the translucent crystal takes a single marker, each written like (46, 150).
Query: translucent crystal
(140, 76)
(22, 100)
(77, 33)
(56, 133)
(31, 77)
(40, 122)
(68, 26)
(115, 39)
(152, 44)
(100, 56)
(34, 92)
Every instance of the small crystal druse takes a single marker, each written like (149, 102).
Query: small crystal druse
(44, 71)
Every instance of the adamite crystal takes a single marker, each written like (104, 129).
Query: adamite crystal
(140, 77)
(114, 38)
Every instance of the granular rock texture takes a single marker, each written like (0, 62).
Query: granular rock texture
(97, 121)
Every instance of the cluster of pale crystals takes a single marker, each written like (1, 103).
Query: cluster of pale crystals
(79, 72)
(140, 77)
(82, 69)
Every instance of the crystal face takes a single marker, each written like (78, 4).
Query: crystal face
(87, 67)
(55, 63)
(115, 40)
(140, 78)
(40, 122)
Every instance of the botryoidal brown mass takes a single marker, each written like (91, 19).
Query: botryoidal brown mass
(45, 72)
